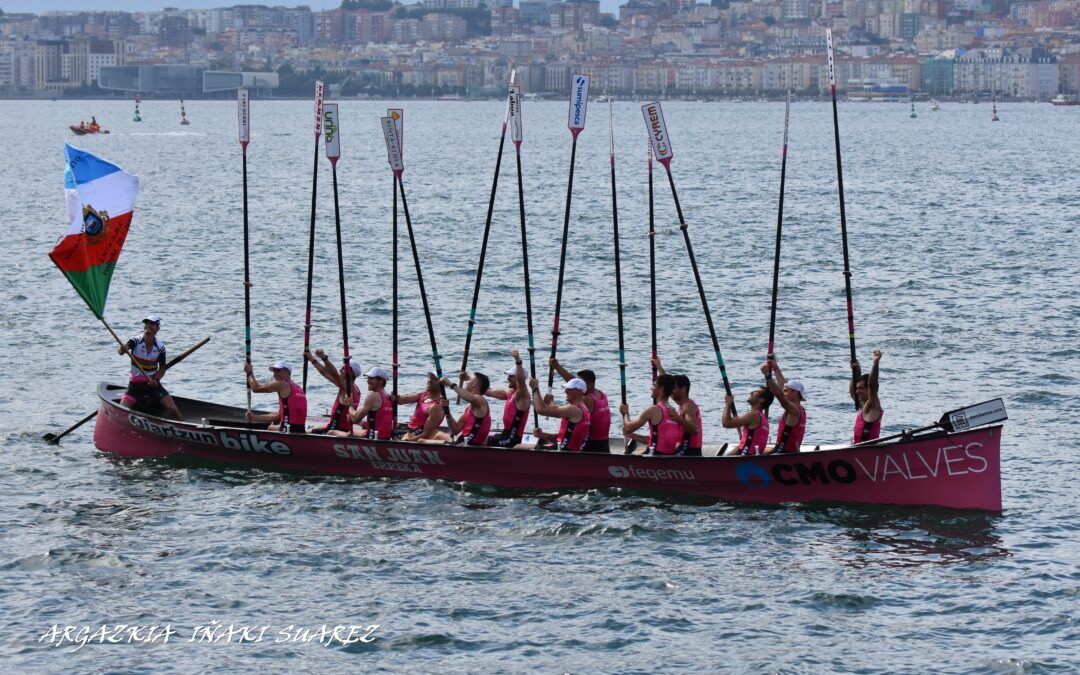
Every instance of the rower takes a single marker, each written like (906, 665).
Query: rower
(516, 410)
(292, 402)
(665, 433)
(689, 417)
(425, 420)
(145, 391)
(753, 424)
(348, 394)
(597, 403)
(376, 415)
(574, 433)
(475, 423)
(864, 391)
(790, 394)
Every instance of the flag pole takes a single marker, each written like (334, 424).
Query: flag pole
(661, 147)
(311, 236)
(517, 135)
(771, 355)
(243, 107)
(843, 214)
(332, 129)
(579, 101)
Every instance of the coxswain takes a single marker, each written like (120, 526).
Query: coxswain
(145, 391)
(292, 402)
(82, 124)
(473, 426)
(573, 435)
(516, 410)
(376, 415)
(791, 394)
(864, 391)
(689, 417)
(665, 432)
(348, 394)
(753, 425)
(597, 403)
(428, 415)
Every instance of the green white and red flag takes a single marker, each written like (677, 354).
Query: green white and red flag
(100, 203)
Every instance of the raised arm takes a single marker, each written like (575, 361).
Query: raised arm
(325, 367)
(856, 373)
(550, 409)
(776, 386)
(271, 386)
(659, 367)
(872, 381)
(563, 372)
(406, 399)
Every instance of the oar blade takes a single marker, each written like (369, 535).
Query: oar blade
(243, 114)
(978, 415)
(579, 104)
(393, 144)
(658, 134)
(332, 129)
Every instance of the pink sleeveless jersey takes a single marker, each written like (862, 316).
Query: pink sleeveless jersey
(789, 439)
(420, 414)
(474, 431)
(380, 423)
(754, 443)
(573, 435)
(666, 437)
(600, 417)
(292, 411)
(864, 431)
(339, 414)
(513, 419)
(692, 442)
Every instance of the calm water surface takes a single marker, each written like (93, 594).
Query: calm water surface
(964, 249)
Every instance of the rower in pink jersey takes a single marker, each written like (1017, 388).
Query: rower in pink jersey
(689, 415)
(864, 391)
(791, 394)
(597, 403)
(516, 408)
(574, 430)
(374, 419)
(753, 425)
(292, 403)
(665, 433)
(475, 423)
(428, 415)
(348, 394)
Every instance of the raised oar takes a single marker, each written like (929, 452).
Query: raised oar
(484, 242)
(652, 267)
(311, 237)
(393, 151)
(517, 135)
(332, 128)
(843, 214)
(53, 439)
(243, 111)
(618, 265)
(771, 354)
(398, 116)
(579, 101)
(661, 147)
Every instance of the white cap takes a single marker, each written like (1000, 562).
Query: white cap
(152, 318)
(797, 386)
(577, 383)
(510, 372)
(282, 365)
(377, 371)
(354, 366)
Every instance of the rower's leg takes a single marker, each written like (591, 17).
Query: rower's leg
(171, 409)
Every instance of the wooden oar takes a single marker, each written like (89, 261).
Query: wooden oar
(517, 134)
(618, 265)
(311, 236)
(484, 242)
(53, 439)
(332, 127)
(243, 111)
(843, 215)
(771, 354)
(579, 101)
(661, 147)
(652, 268)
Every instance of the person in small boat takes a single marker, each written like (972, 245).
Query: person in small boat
(292, 402)
(753, 425)
(82, 124)
(374, 419)
(428, 415)
(573, 435)
(145, 391)
(864, 391)
(665, 432)
(597, 403)
(516, 409)
(93, 124)
(474, 425)
(689, 417)
(790, 394)
(348, 394)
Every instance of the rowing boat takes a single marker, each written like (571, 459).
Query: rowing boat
(957, 469)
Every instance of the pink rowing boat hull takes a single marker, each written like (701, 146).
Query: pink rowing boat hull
(958, 470)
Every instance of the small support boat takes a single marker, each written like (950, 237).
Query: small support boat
(934, 105)
(183, 114)
(1062, 99)
(85, 130)
(952, 464)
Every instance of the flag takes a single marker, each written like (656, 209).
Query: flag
(100, 201)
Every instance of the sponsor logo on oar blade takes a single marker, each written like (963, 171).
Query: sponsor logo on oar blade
(318, 106)
(515, 113)
(243, 112)
(579, 102)
(393, 144)
(399, 121)
(657, 128)
(330, 125)
(828, 46)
